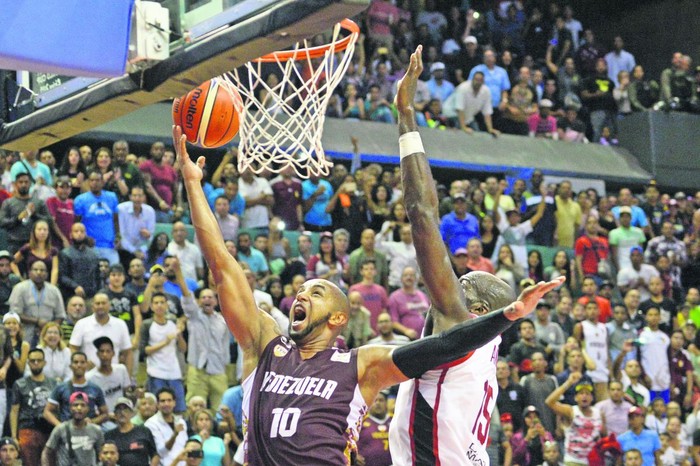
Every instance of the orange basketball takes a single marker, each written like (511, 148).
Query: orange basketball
(207, 115)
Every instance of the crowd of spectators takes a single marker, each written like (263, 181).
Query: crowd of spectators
(113, 334)
(524, 68)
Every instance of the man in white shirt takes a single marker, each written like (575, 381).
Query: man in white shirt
(637, 275)
(187, 252)
(472, 98)
(400, 254)
(101, 324)
(258, 199)
(169, 430)
(113, 379)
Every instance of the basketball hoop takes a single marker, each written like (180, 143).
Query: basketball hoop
(285, 128)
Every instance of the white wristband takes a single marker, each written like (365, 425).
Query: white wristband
(410, 143)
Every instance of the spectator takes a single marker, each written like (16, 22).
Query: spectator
(597, 95)
(653, 208)
(535, 267)
(169, 430)
(681, 371)
(528, 444)
(358, 330)
(643, 94)
(640, 440)
(251, 256)
(511, 395)
(99, 324)
(137, 221)
(563, 315)
(229, 191)
(74, 170)
(439, 87)
(373, 443)
(59, 405)
(287, 194)
(667, 245)
(135, 444)
(586, 424)
(317, 195)
(36, 302)
(589, 291)
(130, 173)
(471, 99)
(666, 306)
(160, 180)
(79, 264)
(537, 385)
(638, 275)
(60, 207)
(521, 353)
(568, 215)
(75, 310)
(157, 250)
(475, 259)
(615, 409)
(570, 128)
(618, 60)
(624, 238)
(374, 296)
(228, 223)
(112, 379)
(208, 349)
(386, 334)
(187, 253)
(577, 360)
(146, 407)
(61, 449)
(621, 94)
(497, 81)
(377, 107)
(678, 89)
(8, 280)
(589, 53)
(574, 26)
(433, 18)
(28, 400)
(408, 305)
(547, 332)
(38, 249)
(18, 213)
(111, 176)
(378, 199)
(625, 199)
(400, 254)
(39, 174)
(349, 210)
(543, 124)
(459, 226)
(507, 268)
(521, 104)
(620, 330)
(368, 251)
(326, 264)
(97, 210)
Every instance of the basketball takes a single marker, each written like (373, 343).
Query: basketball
(207, 115)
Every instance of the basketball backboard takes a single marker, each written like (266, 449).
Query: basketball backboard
(208, 38)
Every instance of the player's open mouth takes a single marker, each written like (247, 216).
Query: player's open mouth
(299, 316)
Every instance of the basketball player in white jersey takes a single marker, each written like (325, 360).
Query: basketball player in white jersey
(593, 337)
(443, 417)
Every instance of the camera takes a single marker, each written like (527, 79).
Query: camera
(195, 454)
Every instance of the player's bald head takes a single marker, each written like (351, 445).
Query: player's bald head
(483, 287)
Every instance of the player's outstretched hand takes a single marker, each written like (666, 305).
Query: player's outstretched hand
(190, 171)
(527, 301)
(406, 88)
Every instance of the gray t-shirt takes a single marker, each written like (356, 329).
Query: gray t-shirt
(86, 442)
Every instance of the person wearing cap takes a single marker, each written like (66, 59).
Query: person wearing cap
(79, 264)
(75, 441)
(459, 226)
(29, 397)
(61, 208)
(637, 275)
(637, 437)
(9, 452)
(528, 443)
(439, 87)
(586, 424)
(36, 302)
(7, 281)
(135, 444)
(542, 124)
(99, 324)
(113, 379)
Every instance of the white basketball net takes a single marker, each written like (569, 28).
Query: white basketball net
(285, 129)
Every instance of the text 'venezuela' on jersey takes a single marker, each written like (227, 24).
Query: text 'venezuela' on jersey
(302, 411)
(443, 418)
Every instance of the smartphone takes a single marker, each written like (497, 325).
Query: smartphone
(554, 42)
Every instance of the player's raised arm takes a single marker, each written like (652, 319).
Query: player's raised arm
(382, 366)
(249, 325)
(421, 201)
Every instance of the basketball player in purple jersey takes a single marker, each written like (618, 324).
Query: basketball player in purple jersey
(304, 401)
(443, 417)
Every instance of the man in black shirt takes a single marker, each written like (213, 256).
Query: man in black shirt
(7, 281)
(123, 303)
(135, 443)
(597, 96)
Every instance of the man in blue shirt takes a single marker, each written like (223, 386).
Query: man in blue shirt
(251, 256)
(495, 78)
(438, 86)
(459, 226)
(639, 218)
(230, 190)
(316, 194)
(637, 437)
(97, 210)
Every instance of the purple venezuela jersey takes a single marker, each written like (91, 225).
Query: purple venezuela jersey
(373, 443)
(302, 412)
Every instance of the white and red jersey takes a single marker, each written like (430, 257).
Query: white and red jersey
(443, 418)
